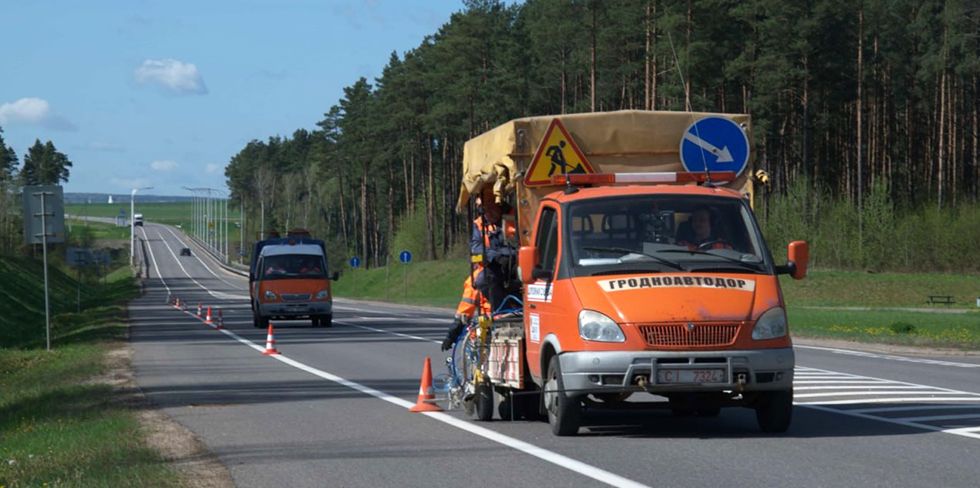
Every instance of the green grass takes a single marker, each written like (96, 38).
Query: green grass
(853, 288)
(57, 428)
(960, 331)
(433, 283)
(97, 230)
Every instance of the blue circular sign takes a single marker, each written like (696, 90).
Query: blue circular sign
(716, 143)
(355, 262)
(405, 257)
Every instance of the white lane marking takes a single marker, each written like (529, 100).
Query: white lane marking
(152, 258)
(858, 393)
(568, 463)
(399, 334)
(198, 258)
(854, 381)
(860, 387)
(919, 407)
(933, 418)
(965, 432)
(216, 294)
(887, 400)
(397, 318)
(850, 352)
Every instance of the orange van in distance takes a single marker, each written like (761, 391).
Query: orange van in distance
(288, 280)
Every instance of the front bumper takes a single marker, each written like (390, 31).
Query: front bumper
(295, 309)
(617, 371)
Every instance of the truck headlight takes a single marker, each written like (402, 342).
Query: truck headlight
(269, 295)
(594, 326)
(770, 325)
(322, 295)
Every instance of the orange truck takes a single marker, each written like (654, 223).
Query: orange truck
(289, 280)
(644, 272)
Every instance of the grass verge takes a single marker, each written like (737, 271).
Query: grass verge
(960, 331)
(59, 424)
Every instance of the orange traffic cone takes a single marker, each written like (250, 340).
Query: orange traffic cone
(427, 400)
(221, 321)
(270, 344)
(207, 318)
(199, 309)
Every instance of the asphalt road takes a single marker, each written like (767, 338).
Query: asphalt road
(331, 410)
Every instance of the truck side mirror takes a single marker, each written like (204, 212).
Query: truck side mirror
(798, 253)
(527, 259)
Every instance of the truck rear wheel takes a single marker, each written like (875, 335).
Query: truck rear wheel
(774, 411)
(564, 412)
(484, 401)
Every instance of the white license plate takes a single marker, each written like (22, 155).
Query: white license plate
(690, 376)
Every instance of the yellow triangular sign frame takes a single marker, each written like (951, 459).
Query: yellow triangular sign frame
(552, 149)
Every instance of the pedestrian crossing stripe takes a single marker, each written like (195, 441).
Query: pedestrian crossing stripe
(556, 155)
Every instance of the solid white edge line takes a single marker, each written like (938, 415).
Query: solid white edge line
(560, 460)
(852, 352)
(961, 392)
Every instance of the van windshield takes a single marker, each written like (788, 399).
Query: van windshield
(292, 266)
(664, 233)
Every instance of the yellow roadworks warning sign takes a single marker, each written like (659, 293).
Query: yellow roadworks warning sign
(556, 155)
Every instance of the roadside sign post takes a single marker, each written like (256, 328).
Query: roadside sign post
(405, 257)
(355, 262)
(46, 225)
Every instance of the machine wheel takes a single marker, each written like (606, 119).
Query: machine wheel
(260, 321)
(774, 410)
(484, 401)
(564, 412)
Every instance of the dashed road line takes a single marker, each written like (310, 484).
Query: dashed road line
(891, 357)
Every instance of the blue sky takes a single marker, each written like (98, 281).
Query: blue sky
(163, 93)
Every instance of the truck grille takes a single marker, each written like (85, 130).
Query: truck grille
(688, 334)
(295, 297)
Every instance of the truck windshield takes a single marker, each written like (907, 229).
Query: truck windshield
(664, 233)
(289, 266)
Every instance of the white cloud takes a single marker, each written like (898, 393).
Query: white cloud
(163, 166)
(171, 75)
(212, 168)
(36, 111)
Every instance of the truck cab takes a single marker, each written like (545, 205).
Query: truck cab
(622, 294)
(288, 280)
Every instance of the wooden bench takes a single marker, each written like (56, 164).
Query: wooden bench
(940, 299)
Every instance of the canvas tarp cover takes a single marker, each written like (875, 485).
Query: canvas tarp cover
(622, 141)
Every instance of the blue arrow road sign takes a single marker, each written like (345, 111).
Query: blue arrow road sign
(405, 257)
(355, 262)
(715, 142)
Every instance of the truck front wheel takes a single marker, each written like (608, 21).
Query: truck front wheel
(564, 412)
(774, 410)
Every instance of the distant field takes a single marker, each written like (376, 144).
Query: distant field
(178, 214)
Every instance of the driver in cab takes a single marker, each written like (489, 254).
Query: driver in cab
(701, 234)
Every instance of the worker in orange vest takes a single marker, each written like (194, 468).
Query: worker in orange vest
(471, 301)
(492, 255)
